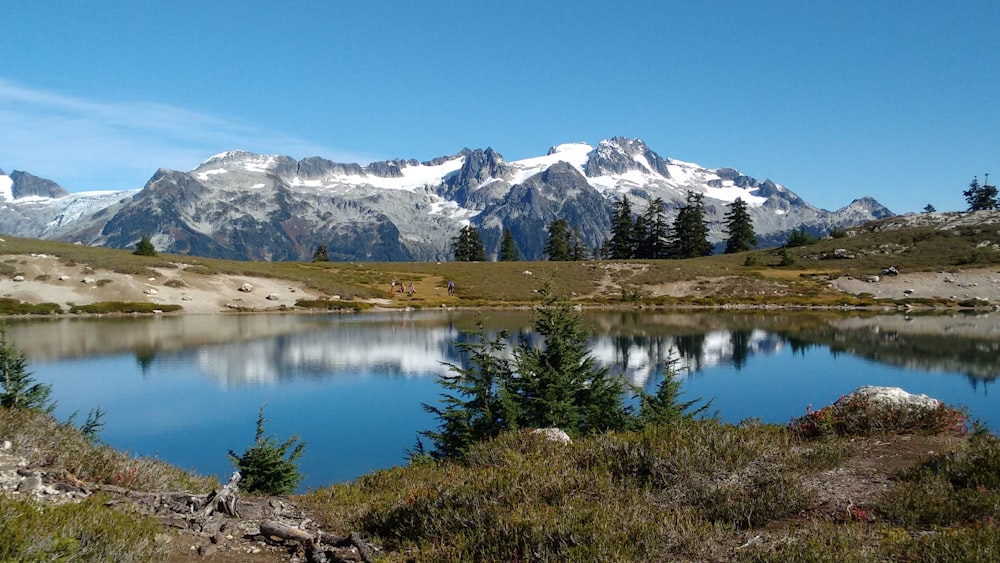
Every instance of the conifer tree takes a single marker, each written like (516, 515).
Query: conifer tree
(690, 232)
(560, 384)
(655, 242)
(468, 245)
(739, 225)
(476, 403)
(20, 391)
(981, 197)
(665, 406)
(144, 247)
(558, 247)
(508, 248)
(622, 243)
(577, 248)
(321, 254)
(268, 467)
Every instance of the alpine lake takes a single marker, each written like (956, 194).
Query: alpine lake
(187, 389)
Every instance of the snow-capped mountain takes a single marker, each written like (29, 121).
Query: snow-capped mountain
(248, 206)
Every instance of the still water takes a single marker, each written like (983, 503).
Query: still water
(187, 389)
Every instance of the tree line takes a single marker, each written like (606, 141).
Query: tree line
(633, 236)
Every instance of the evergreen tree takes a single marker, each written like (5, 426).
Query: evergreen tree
(655, 241)
(664, 406)
(20, 391)
(640, 236)
(578, 249)
(981, 197)
(559, 384)
(476, 400)
(690, 232)
(321, 254)
(468, 245)
(930, 209)
(739, 225)
(144, 247)
(800, 237)
(622, 243)
(508, 248)
(268, 467)
(558, 248)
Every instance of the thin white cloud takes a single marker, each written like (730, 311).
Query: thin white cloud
(90, 144)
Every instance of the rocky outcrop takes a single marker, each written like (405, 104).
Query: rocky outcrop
(890, 397)
(26, 184)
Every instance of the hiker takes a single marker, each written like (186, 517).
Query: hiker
(392, 286)
(451, 287)
(411, 289)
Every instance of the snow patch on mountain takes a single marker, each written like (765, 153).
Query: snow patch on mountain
(574, 154)
(6, 187)
(205, 174)
(729, 193)
(413, 177)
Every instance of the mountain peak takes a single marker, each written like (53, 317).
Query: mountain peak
(24, 184)
(621, 155)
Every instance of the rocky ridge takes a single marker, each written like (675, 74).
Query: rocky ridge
(242, 205)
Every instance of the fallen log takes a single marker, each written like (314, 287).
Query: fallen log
(269, 528)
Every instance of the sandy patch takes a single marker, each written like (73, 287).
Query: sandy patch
(47, 280)
(967, 284)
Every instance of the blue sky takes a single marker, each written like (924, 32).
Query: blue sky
(899, 100)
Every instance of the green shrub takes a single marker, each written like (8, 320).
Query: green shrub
(105, 307)
(145, 247)
(267, 467)
(14, 307)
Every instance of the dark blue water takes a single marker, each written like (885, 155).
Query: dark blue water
(188, 390)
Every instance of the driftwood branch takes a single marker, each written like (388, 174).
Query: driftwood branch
(223, 501)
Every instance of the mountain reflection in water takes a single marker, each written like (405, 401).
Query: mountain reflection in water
(352, 385)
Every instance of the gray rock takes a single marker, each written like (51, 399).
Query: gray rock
(892, 397)
(30, 484)
(553, 435)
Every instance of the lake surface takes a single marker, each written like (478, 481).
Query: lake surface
(187, 389)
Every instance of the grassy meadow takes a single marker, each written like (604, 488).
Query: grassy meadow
(819, 489)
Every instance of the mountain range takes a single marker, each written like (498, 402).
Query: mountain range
(247, 206)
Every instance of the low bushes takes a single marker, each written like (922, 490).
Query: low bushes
(85, 531)
(858, 415)
(105, 307)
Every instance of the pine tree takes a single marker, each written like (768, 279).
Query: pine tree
(560, 384)
(664, 406)
(558, 246)
(508, 248)
(475, 403)
(20, 391)
(468, 245)
(655, 242)
(577, 248)
(739, 225)
(144, 247)
(690, 232)
(268, 467)
(981, 197)
(622, 243)
(321, 254)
